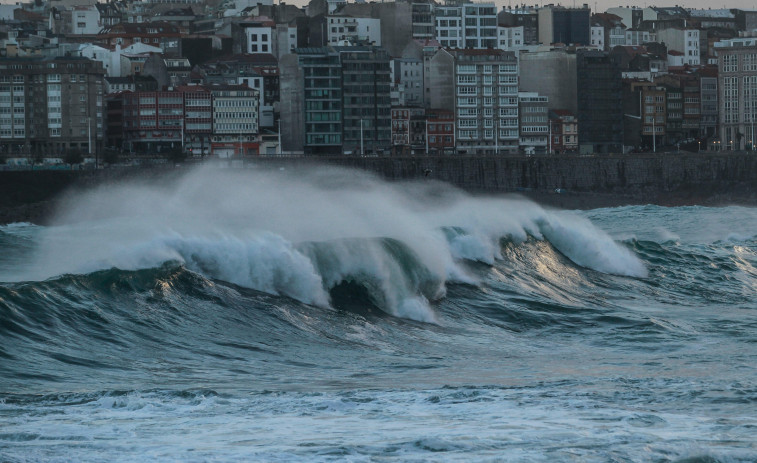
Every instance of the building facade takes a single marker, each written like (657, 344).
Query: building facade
(366, 86)
(534, 123)
(408, 74)
(737, 90)
(51, 105)
(322, 100)
(235, 121)
(486, 101)
(599, 96)
(563, 132)
(564, 25)
(470, 25)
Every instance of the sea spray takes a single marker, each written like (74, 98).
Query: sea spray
(258, 229)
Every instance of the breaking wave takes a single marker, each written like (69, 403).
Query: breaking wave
(303, 234)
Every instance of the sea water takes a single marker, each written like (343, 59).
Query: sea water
(324, 315)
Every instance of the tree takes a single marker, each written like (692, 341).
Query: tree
(73, 156)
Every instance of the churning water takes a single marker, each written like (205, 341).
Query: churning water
(327, 316)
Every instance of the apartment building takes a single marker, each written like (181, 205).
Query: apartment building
(235, 120)
(160, 34)
(348, 30)
(563, 132)
(599, 96)
(423, 19)
(366, 85)
(440, 132)
(737, 88)
(214, 119)
(321, 90)
(565, 25)
(684, 41)
(408, 130)
(525, 17)
(198, 119)
(257, 35)
(654, 115)
(607, 31)
(407, 74)
(510, 38)
(534, 122)
(50, 105)
(708, 121)
(486, 101)
(470, 25)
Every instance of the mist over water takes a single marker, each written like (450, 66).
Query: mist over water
(326, 315)
(300, 233)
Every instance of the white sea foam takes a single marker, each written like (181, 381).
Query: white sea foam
(301, 233)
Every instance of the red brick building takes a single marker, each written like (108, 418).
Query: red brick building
(441, 131)
(159, 121)
(564, 132)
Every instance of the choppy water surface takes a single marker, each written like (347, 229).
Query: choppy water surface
(326, 316)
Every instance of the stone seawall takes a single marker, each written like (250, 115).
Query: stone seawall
(606, 174)
(582, 182)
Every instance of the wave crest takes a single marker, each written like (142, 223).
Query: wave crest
(300, 234)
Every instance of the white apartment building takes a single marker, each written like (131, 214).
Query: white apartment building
(235, 120)
(510, 38)
(449, 26)
(85, 20)
(470, 25)
(486, 101)
(259, 35)
(635, 38)
(343, 30)
(685, 41)
(598, 37)
(407, 80)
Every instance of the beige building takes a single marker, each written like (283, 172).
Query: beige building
(737, 91)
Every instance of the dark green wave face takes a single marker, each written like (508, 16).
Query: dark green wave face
(456, 330)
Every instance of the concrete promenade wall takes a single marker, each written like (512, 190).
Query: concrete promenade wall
(586, 181)
(625, 175)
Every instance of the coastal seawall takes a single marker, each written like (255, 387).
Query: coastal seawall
(562, 181)
(634, 174)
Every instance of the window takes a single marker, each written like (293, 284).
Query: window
(730, 63)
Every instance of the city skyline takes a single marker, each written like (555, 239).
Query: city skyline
(596, 6)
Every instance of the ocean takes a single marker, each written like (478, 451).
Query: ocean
(324, 315)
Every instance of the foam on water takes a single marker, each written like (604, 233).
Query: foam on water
(540, 423)
(257, 229)
(547, 355)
